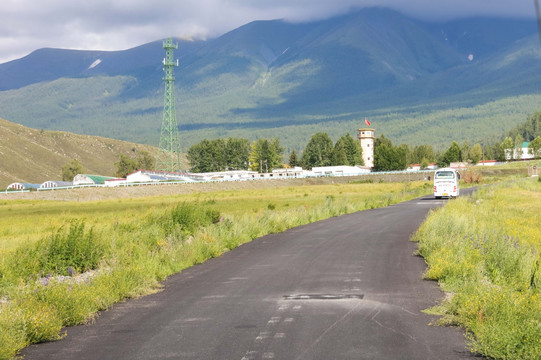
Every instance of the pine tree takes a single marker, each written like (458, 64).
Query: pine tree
(293, 161)
(318, 151)
(339, 156)
(266, 155)
(353, 150)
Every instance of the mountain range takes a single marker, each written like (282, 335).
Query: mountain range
(417, 82)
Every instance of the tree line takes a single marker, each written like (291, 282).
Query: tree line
(264, 155)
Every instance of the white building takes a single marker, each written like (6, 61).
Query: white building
(51, 184)
(22, 186)
(85, 179)
(366, 137)
(145, 176)
(417, 167)
(231, 175)
(339, 171)
(522, 153)
(289, 172)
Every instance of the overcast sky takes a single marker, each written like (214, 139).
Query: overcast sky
(27, 25)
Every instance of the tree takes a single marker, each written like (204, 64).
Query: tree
(266, 155)
(237, 154)
(388, 157)
(535, 147)
(421, 152)
(453, 154)
(382, 140)
(476, 153)
(145, 161)
(125, 165)
(339, 155)
(209, 156)
(408, 153)
(71, 169)
(218, 155)
(200, 157)
(353, 150)
(507, 148)
(530, 129)
(318, 151)
(465, 151)
(293, 161)
(517, 153)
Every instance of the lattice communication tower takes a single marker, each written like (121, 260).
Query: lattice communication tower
(168, 158)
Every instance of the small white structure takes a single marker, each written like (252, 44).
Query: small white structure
(366, 137)
(51, 184)
(339, 171)
(84, 179)
(417, 167)
(231, 175)
(288, 172)
(156, 176)
(22, 186)
(458, 165)
(522, 153)
(114, 182)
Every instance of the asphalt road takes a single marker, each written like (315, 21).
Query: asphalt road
(343, 288)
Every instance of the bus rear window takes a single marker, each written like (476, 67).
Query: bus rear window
(445, 175)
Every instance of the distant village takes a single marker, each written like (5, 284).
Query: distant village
(153, 177)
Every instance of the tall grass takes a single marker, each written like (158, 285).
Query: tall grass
(123, 249)
(485, 252)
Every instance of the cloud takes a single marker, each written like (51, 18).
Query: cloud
(26, 25)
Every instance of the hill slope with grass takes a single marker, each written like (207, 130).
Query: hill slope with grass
(417, 82)
(35, 156)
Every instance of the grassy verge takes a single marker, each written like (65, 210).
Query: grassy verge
(484, 251)
(62, 262)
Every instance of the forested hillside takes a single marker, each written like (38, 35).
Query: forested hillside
(418, 82)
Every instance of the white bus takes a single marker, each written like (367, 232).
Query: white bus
(446, 183)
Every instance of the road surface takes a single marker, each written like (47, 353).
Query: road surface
(343, 288)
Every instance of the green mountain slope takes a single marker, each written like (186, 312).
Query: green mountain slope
(272, 78)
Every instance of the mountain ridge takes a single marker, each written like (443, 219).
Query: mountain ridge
(267, 77)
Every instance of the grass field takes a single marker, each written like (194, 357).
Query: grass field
(485, 253)
(62, 261)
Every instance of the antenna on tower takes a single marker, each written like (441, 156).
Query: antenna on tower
(168, 158)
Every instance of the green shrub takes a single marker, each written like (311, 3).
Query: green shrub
(73, 248)
(192, 216)
(65, 252)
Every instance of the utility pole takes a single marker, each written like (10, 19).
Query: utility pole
(168, 158)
